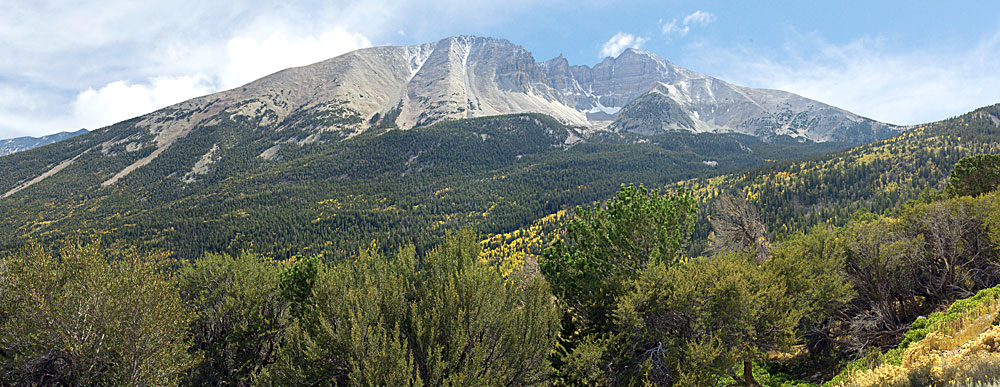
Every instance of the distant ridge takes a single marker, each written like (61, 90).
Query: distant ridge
(18, 144)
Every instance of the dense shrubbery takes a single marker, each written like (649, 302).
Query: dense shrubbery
(239, 319)
(90, 315)
(446, 319)
(696, 322)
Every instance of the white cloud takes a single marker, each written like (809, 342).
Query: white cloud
(865, 77)
(699, 17)
(120, 100)
(249, 58)
(619, 43)
(673, 29)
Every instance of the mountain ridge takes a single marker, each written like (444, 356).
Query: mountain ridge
(403, 87)
(19, 144)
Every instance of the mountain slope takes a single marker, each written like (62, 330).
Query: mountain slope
(18, 144)
(344, 127)
(493, 173)
(794, 196)
(875, 177)
(711, 105)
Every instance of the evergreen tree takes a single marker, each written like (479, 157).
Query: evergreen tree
(605, 246)
(975, 175)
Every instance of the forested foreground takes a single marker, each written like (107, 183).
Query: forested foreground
(614, 300)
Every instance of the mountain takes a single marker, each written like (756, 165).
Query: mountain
(393, 142)
(466, 77)
(18, 144)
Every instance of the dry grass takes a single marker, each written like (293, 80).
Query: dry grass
(963, 352)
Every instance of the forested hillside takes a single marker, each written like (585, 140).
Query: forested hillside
(494, 174)
(794, 196)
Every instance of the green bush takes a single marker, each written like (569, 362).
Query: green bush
(90, 315)
(448, 319)
(605, 246)
(698, 323)
(239, 320)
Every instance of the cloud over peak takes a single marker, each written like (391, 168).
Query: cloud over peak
(619, 42)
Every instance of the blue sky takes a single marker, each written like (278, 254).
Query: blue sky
(71, 64)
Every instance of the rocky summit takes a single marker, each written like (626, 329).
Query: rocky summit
(467, 76)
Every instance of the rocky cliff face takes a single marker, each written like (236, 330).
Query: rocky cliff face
(466, 76)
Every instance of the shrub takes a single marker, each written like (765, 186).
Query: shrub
(90, 315)
(239, 316)
(449, 320)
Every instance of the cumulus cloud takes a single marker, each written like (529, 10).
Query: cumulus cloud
(619, 43)
(863, 76)
(246, 59)
(250, 58)
(121, 100)
(675, 28)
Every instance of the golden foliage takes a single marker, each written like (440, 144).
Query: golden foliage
(510, 251)
(963, 352)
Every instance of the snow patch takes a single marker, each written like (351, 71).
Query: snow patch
(605, 109)
(711, 163)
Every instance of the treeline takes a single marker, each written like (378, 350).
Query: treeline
(614, 301)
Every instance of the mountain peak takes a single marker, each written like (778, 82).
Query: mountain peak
(468, 76)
